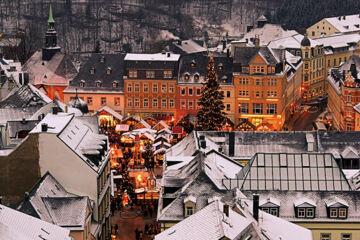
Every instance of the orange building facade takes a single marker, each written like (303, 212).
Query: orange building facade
(260, 80)
(150, 85)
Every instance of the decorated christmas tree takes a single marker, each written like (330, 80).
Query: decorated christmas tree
(211, 116)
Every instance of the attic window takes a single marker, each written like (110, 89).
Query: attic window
(193, 63)
(187, 77)
(98, 84)
(82, 84)
(196, 77)
(220, 67)
(224, 79)
(102, 59)
(115, 84)
(92, 71)
(108, 71)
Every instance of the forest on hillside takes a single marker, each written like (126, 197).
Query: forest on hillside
(297, 14)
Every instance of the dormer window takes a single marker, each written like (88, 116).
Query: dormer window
(102, 59)
(114, 84)
(304, 208)
(92, 71)
(150, 74)
(220, 67)
(224, 79)
(196, 77)
(270, 205)
(98, 84)
(108, 71)
(193, 64)
(187, 77)
(337, 208)
(132, 73)
(82, 83)
(189, 205)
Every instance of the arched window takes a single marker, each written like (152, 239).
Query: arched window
(82, 83)
(186, 76)
(98, 84)
(114, 84)
(196, 77)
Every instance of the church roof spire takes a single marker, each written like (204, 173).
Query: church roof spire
(51, 21)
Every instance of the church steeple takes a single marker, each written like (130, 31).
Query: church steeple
(51, 47)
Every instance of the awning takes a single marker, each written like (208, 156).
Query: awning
(122, 128)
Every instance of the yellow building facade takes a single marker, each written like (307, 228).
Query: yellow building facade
(336, 230)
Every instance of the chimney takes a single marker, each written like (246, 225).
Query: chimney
(231, 144)
(226, 210)
(26, 78)
(249, 28)
(203, 144)
(257, 41)
(223, 44)
(168, 54)
(179, 42)
(256, 207)
(44, 127)
(220, 149)
(344, 17)
(343, 75)
(228, 53)
(66, 108)
(26, 196)
(55, 110)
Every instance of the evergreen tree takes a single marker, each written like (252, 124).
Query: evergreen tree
(211, 116)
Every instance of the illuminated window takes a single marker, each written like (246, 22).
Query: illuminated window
(196, 77)
(103, 101)
(187, 77)
(114, 84)
(257, 108)
(150, 74)
(117, 101)
(89, 101)
(167, 74)
(108, 71)
(271, 108)
(132, 73)
(243, 108)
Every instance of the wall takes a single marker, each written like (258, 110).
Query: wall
(320, 27)
(71, 171)
(19, 170)
(335, 229)
(96, 101)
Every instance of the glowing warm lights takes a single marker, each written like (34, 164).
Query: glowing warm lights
(139, 178)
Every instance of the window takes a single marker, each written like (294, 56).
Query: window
(348, 98)
(150, 74)
(129, 103)
(108, 71)
(274, 211)
(92, 71)
(132, 73)
(328, 63)
(228, 94)
(163, 88)
(271, 93)
(339, 60)
(187, 77)
(272, 82)
(183, 91)
(306, 55)
(89, 100)
(243, 108)
(196, 77)
(191, 104)
(163, 103)
(333, 212)
(227, 107)
(167, 74)
(198, 91)
(82, 84)
(155, 103)
(271, 108)
(346, 236)
(309, 212)
(155, 88)
(98, 84)
(146, 102)
(312, 33)
(146, 87)
(243, 93)
(257, 82)
(117, 101)
(137, 87)
(171, 103)
(129, 88)
(342, 213)
(114, 84)
(171, 89)
(257, 108)
(189, 210)
(183, 104)
(103, 101)
(301, 212)
(257, 94)
(136, 102)
(306, 65)
(220, 67)
(244, 81)
(190, 91)
(334, 62)
(325, 236)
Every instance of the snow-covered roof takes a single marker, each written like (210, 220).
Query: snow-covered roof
(18, 225)
(143, 123)
(350, 152)
(291, 42)
(209, 223)
(109, 110)
(303, 202)
(269, 202)
(336, 202)
(189, 46)
(349, 23)
(190, 198)
(267, 33)
(152, 57)
(357, 107)
(56, 123)
(162, 123)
